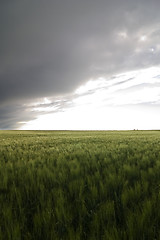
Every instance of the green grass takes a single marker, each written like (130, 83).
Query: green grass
(79, 185)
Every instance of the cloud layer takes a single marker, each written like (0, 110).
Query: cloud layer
(50, 48)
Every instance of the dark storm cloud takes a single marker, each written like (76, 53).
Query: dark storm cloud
(12, 116)
(51, 47)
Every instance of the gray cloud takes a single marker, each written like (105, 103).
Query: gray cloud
(49, 48)
(13, 116)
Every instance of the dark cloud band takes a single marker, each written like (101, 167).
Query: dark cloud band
(50, 48)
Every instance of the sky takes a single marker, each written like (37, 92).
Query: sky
(79, 65)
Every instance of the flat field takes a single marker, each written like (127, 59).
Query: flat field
(78, 185)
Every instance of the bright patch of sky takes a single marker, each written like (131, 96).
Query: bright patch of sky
(125, 101)
(143, 38)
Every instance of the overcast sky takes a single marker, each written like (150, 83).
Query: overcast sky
(71, 64)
